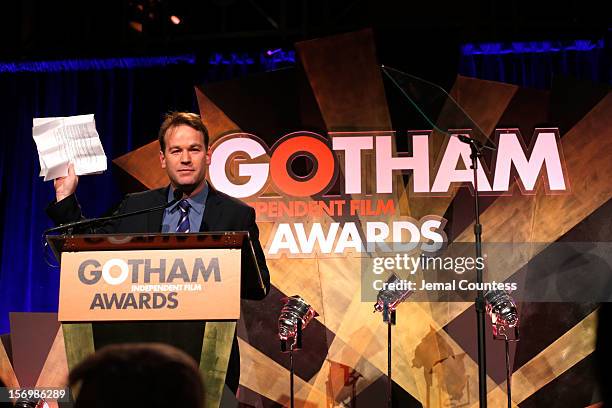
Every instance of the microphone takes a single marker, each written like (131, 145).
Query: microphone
(501, 308)
(177, 196)
(479, 146)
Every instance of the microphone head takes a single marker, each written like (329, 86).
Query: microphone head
(465, 139)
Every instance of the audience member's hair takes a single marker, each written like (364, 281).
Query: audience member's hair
(174, 119)
(134, 375)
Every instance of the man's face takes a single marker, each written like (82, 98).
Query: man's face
(185, 158)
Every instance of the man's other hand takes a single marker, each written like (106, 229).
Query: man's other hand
(65, 186)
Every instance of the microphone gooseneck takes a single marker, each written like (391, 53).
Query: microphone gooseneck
(177, 196)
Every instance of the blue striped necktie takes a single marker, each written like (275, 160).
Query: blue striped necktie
(183, 224)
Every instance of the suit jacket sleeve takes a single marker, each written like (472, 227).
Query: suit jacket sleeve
(69, 210)
(251, 288)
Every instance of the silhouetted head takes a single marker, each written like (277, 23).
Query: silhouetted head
(138, 375)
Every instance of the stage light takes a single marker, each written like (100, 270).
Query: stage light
(294, 317)
(501, 308)
(31, 403)
(175, 20)
(387, 300)
(504, 316)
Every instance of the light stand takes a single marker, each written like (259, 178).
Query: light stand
(441, 110)
(476, 152)
(294, 317)
(389, 318)
(504, 318)
(508, 376)
(386, 302)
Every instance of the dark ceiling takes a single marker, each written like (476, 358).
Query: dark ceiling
(33, 29)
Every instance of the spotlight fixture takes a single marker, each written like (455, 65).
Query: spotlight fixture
(504, 316)
(294, 317)
(501, 308)
(387, 300)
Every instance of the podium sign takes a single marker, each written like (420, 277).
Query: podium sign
(160, 284)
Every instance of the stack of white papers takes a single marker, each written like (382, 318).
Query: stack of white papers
(64, 140)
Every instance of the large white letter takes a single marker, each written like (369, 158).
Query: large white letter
(352, 147)
(376, 234)
(545, 152)
(399, 243)
(349, 238)
(448, 172)
(258, 172)
(386, 163)
(283, 239)
(429, 230)
(316, 236)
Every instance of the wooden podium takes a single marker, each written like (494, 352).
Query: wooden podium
(181, 289)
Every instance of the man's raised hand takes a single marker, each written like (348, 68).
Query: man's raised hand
(65, 186)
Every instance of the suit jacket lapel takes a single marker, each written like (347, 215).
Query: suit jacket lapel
(212, 211)
(155, 218)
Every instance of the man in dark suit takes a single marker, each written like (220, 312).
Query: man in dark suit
(185, 156)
